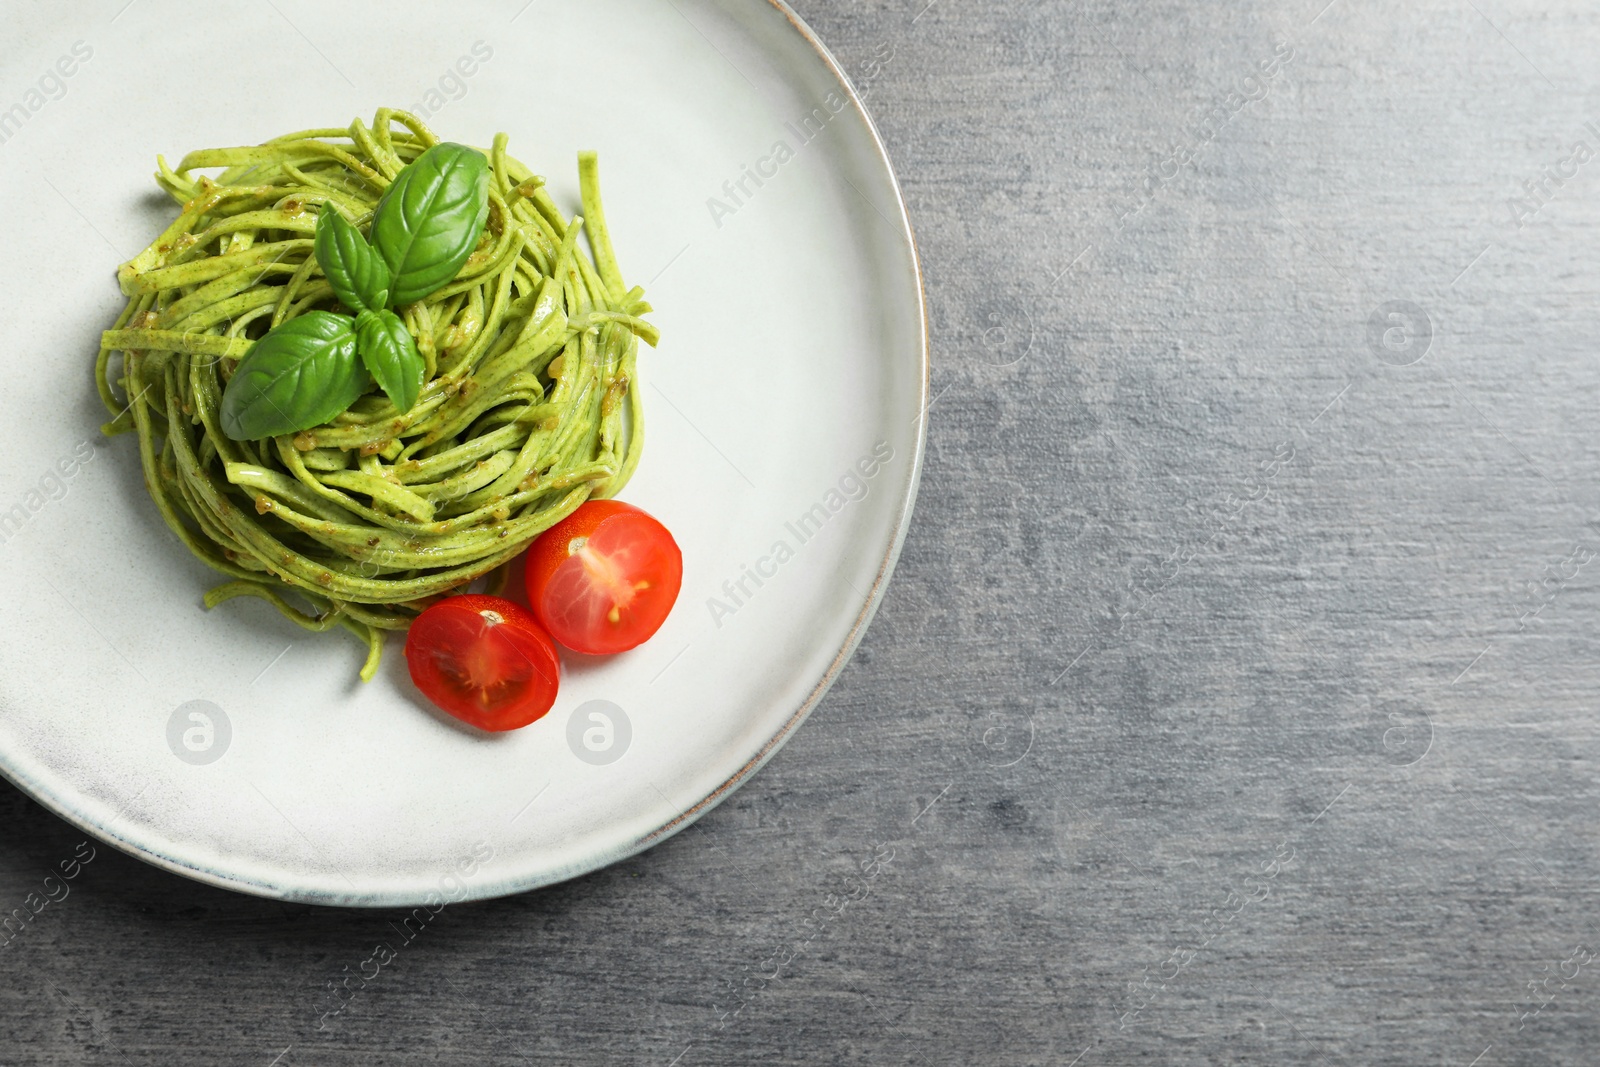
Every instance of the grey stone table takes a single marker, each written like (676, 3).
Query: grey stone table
(1235, 699)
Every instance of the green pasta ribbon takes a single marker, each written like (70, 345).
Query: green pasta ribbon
(504, 364)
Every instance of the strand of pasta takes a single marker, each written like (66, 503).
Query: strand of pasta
(530, 406)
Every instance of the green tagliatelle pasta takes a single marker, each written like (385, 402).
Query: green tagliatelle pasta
(529, 406)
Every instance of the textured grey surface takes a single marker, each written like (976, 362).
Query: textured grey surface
(1234, 698)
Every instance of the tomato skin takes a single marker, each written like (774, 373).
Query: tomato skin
(604, 579)
(485, 660)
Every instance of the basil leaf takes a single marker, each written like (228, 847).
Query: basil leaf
(359, 276)
(299, 375)
(390, 353)
(430, 218)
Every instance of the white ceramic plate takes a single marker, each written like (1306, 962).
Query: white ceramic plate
(785, 407)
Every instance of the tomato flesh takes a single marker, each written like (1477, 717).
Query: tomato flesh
(604, 579)
(485, 660)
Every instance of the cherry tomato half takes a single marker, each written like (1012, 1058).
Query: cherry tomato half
(603, 579)
(484, 660)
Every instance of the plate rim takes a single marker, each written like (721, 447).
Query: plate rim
(476, 891)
